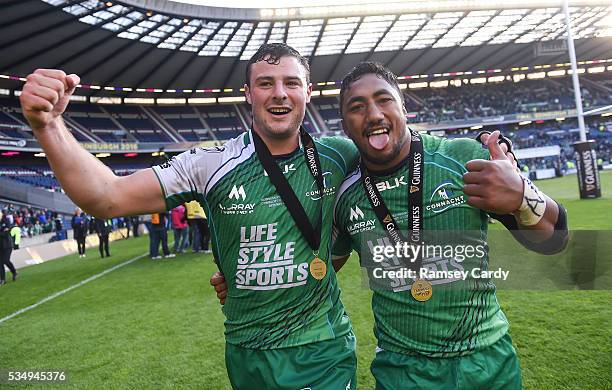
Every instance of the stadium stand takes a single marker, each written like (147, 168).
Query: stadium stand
(224, 119)
(32, 220)
(187, 121)
(481, 101)
(124, 123)
(328, 108)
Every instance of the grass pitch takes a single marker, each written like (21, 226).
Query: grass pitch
(157, 324)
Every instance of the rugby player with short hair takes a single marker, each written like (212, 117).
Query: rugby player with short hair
(286, 327)
(451, 333)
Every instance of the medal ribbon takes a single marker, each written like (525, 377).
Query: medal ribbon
(291, 201)
(415, 199)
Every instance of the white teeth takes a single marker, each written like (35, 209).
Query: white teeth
(376, 132)
(279, 110)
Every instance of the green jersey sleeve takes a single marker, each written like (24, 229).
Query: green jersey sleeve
(342, 148)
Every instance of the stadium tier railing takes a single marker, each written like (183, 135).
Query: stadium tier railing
(11, 189)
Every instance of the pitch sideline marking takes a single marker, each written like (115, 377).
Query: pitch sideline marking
(64, 291)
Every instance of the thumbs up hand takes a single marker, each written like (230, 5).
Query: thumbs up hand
(485, 137)
(493, 185)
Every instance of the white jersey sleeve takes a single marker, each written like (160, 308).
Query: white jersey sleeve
(190, 175)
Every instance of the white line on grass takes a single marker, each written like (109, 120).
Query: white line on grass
(64, 291)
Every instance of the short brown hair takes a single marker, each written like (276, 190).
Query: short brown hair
(272, 53)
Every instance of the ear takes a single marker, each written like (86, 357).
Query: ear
(247, 93)
(308, 92)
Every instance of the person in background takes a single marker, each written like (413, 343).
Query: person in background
(79, 229)
(15, 233)
(135, 220)
(194, 213)
(6, 248)
(37, 228)
(204, 232)
(42, 218)
(26, 232)
(180, 228)
(9, 214)
(59, 227)
(102, 228)
(127, 224)
(114, 223)
(18, 220)
(159, 232)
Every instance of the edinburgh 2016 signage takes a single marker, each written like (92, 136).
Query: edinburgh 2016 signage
(100, 146)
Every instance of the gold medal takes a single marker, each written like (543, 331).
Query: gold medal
(421, 290)
(318, 268)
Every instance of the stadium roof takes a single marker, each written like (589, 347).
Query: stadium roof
(164, 45)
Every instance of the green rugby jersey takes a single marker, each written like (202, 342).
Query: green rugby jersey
(272, 301)
(463, 315)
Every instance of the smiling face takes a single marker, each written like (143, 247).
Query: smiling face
(374, 117)
(278, 94)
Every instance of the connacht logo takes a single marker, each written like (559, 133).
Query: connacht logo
(237, 193)
(443, 197)
(356, 214)
(327, 189)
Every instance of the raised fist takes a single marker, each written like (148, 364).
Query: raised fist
(45, 96)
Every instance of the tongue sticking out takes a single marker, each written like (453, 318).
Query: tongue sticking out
(378, 141)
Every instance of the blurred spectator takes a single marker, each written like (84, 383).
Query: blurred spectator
(103, 229)
(15, 233)
(204, 233)
(37, 228)
(157, 234)
(6, 248)
(178, 217)
(58, 224)
(135, 220)
(127, 223)
(79, 228)
(195, 213)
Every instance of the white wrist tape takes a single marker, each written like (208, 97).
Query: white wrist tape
(534, 205)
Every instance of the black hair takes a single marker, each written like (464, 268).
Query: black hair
(272, 54)
(362, 69)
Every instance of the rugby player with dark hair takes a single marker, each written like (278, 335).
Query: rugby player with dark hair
(268, 195)
(433, 332)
